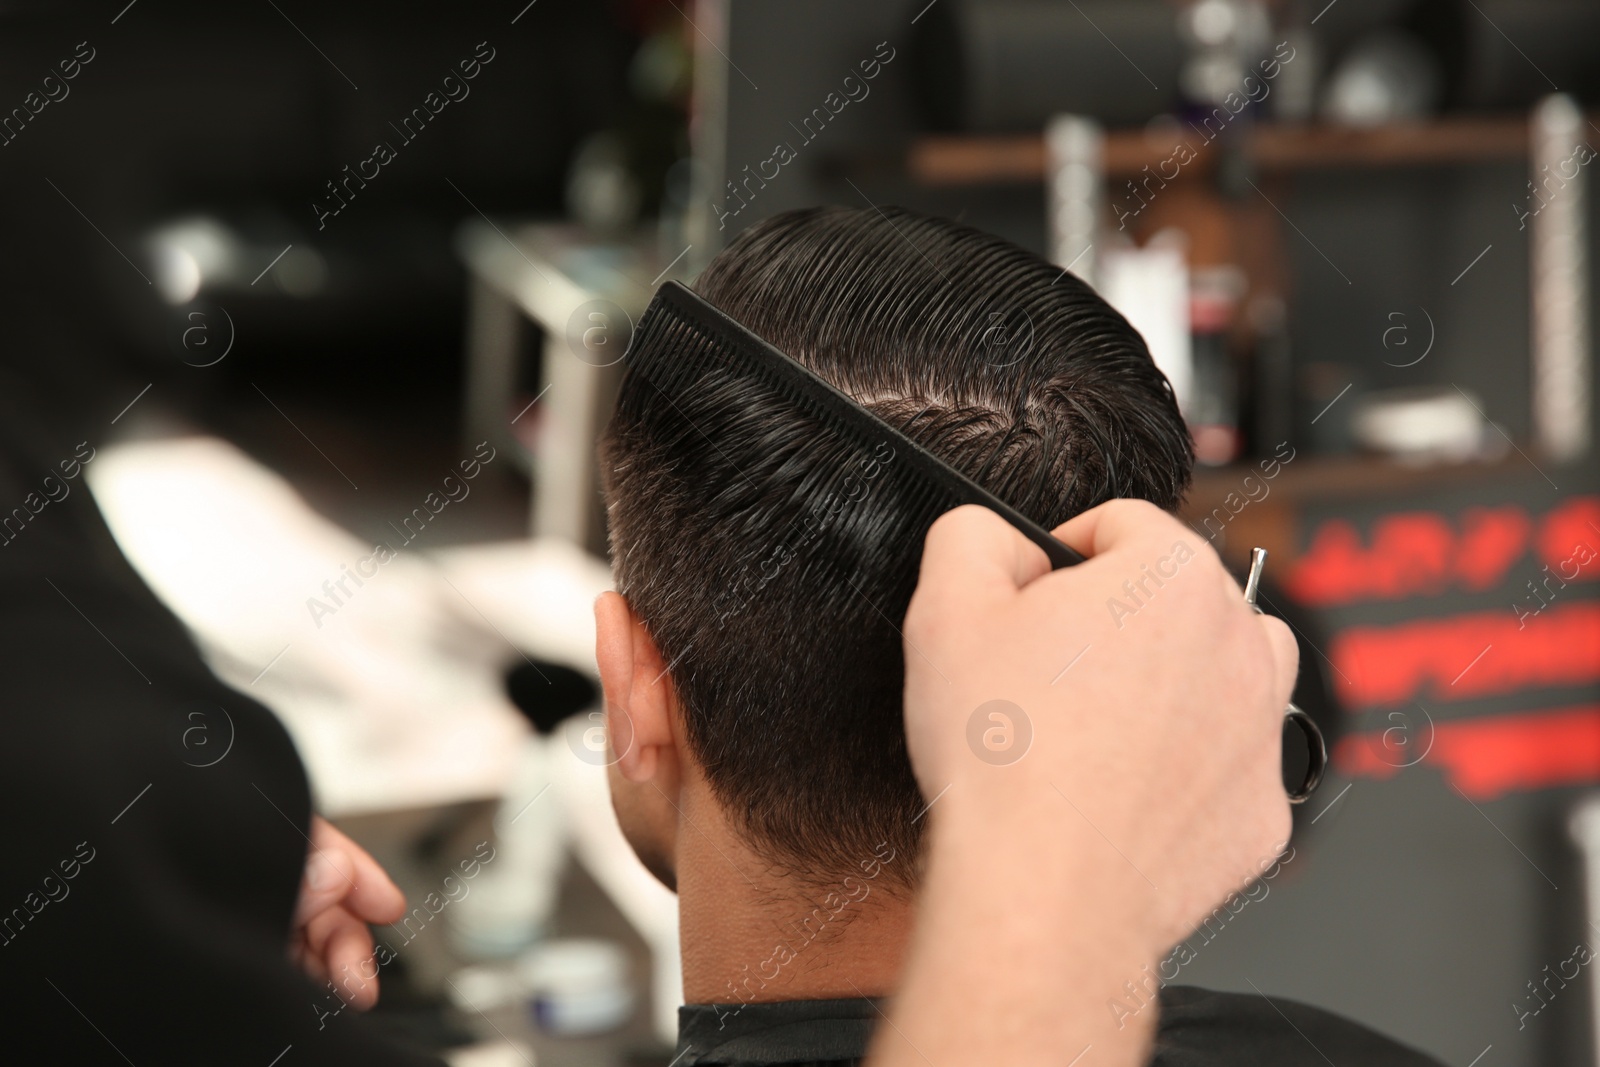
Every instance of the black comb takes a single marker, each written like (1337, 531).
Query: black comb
(681, 337)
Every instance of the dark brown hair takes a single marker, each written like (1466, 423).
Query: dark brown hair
(754, 547)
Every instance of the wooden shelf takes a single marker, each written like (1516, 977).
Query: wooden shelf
(982, 160)
(1308, 477)
(1309, 481)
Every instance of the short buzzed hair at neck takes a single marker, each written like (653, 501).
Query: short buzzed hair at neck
(779, 621)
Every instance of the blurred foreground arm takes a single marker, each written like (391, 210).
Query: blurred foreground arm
(1149, 789)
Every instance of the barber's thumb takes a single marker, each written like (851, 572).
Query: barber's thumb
(328, 878)
(971, 553)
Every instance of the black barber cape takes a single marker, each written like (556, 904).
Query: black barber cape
(154, 819)
(1198, 1029)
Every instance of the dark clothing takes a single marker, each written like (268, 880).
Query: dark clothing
(155, 819)
(1198, 1029)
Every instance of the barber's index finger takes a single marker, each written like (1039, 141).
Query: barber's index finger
(970, 551)
(1119, 523)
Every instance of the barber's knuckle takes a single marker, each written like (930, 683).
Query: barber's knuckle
(928, 618)
(943, 534)
(918, 613)
(960, 523)
(1205, 554)
(1282, 639)
(1282, 820)
(914, 627)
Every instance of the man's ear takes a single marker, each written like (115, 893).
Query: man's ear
(638, 692)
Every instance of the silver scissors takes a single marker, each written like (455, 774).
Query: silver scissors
(1317, 759)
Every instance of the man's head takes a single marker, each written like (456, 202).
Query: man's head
(759, 637)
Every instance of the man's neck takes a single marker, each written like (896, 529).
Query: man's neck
(750, 935)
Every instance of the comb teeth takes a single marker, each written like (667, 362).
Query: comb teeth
(681, 339)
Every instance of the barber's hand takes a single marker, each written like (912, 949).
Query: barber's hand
(1164, 733)
(342, 890)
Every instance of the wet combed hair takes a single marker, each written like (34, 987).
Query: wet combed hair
(779, 622)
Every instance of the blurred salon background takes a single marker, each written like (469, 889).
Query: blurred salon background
(338, 293)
